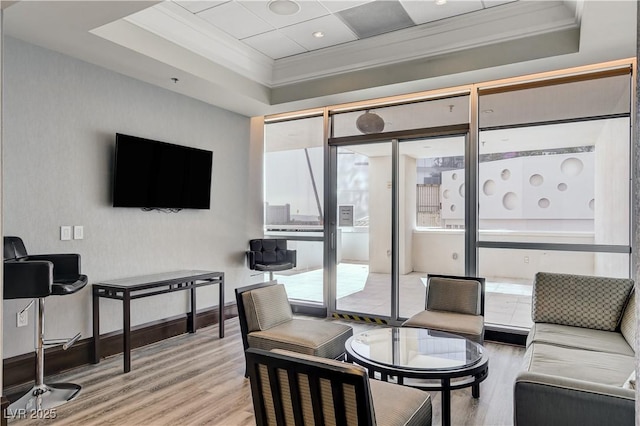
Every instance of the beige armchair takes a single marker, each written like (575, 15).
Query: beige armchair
(292, 388)
(453, 304)
(266, 322)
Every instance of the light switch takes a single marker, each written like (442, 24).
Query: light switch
(65, 233)
(78, 232)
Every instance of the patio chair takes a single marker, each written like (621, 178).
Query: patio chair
(269, 255)
(266, 322)
(453, 304)
(291, 388)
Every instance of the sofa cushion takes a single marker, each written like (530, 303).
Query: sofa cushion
(469, 326)
(266, 307)
(320, 338)
(629, 324)
(579, 338)
(396, 405)
(598, 367)
(579, 301)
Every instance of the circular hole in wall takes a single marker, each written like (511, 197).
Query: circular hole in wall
(562, 187)
(452, 208)
(543, 203)
(536, 180)
(461, 190)
(506, 174)
(454, 176)
(572, 166)
(592, 204)
(446, 193)
(510, 201)
(489, 187)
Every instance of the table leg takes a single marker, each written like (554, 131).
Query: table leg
(192, 324)
(446, 402)
(96, 327)
(221, 309)
(126, 330)
(475, 390)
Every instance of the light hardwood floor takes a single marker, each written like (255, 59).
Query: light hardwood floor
(198, 379)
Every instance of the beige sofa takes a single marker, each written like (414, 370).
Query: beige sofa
(580, 353)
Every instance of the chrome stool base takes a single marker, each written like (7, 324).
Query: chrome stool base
(45, 397)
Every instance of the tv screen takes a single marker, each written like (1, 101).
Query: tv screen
(159, 175)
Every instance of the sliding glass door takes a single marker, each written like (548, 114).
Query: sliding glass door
(432, 200)
(363, 238)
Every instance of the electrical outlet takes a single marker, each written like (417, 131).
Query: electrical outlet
(526, 259)
(22, 318)
(78, 232)
(65, 233)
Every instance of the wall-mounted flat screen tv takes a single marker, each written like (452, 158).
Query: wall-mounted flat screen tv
(151, 174)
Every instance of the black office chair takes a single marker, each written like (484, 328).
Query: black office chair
(269, 255)
(37, 277)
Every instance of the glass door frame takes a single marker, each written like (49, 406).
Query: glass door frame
(331, 200)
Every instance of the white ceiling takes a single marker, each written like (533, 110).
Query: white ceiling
(239, 56)
(279, 36)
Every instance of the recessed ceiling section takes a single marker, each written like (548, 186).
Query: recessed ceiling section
(330, 29)
(428, 11)
(274, 44)
(377, 17)
(308, 10)
(195, 6)
(321, 42)
(235, 20)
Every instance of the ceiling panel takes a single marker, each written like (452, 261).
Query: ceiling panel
(335, 32)
(428, 11)
(194, 6)
(309, 9)
(376, 18)
(235, 20)
(274, 44)
(338, 5)
(491, 3)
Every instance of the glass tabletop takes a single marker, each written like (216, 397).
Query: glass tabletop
(416, 348)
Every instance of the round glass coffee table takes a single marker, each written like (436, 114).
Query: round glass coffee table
(425, 359)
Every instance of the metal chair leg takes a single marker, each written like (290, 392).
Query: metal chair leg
(44, 396)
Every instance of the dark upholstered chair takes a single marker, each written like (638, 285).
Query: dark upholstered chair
(453, 304)
(38, 277)
(291, 388)
(266, 322)
(269, 255)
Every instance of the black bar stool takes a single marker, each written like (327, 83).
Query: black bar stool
(38, 277)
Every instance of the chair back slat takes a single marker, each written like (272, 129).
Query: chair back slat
(316, 400)
(317, 392)
(276, 394)
(339, 403)
(296, 401)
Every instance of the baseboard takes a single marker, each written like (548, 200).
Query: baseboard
(4, 405)
(20, 370)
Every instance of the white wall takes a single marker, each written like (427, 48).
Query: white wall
(441, 251)
(60, 120)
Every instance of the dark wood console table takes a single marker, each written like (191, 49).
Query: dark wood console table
(128, 289)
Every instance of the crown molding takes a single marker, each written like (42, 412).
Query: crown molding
(176, 24)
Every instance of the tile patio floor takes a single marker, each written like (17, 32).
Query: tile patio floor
(507, 301)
